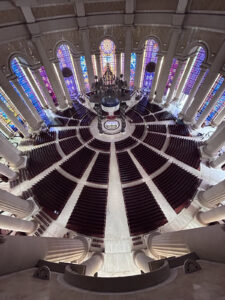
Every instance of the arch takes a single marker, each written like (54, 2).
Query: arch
(142, 42)
(151, 49)
(27, 59)
(107, 50)
(191, 47)
(72, 47)
(64, 55)
(109, 37)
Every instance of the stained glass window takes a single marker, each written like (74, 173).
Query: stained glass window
(28, 88)
(85, 73)
(171, 74)
(4, 119)
(66, 61)
(121, 63)
(133, 61)
(48, 84)
(107, 55)
(150, 55)
(94, 63)
(195, 70)
(219, 104)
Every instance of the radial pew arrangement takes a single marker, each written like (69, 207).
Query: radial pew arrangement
(89, 214)
(78, 163)
(52, 192)
(184, 150)
(178, 186)
(143, 212)
(100, 171)
(149, 160)
(128, 170)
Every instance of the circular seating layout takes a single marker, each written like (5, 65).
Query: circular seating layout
(58, 160)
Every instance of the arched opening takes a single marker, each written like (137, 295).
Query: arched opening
(107, 55)
(66, 61)
(27, 80)
(150, 55)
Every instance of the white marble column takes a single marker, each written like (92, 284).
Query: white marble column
(215, 144)
(98, 63)
(172, 87)
(168, 59)
(193, 91)
(45, 90)
(87, 53)
(79, 73)
(156, 76)
(218, 162)
(208, 82)
(93, 264)
(210, 106)
(184, 78)
(139, 65)
(141, 260)
(15, 224)
(49, 68)
(62, 81)
(29, 250)
(207, 242)
(10, 153)
(219, 118)
(35, 87)
(14, 120)
(18, 103)
(212, 215)
(215, 133)
(118, 65)
(213, 195)
(10, 174)
(127, 54)
(26, 99)
(15, 205)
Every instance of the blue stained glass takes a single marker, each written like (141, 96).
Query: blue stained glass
(5, 120)
(65, 61)
(194, 71)
(150, 55)
(85, 73)
(171, 74)
(133, 61)
(219, 105)
(26, 85)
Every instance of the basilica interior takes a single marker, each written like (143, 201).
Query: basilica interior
(112, 149)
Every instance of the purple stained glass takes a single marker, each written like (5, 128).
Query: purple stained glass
(133, 61)
(171, 74)
(193, 75)
(48, 84)
(65, 61)
(150, 55)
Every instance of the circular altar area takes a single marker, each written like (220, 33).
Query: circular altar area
(110, 104)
